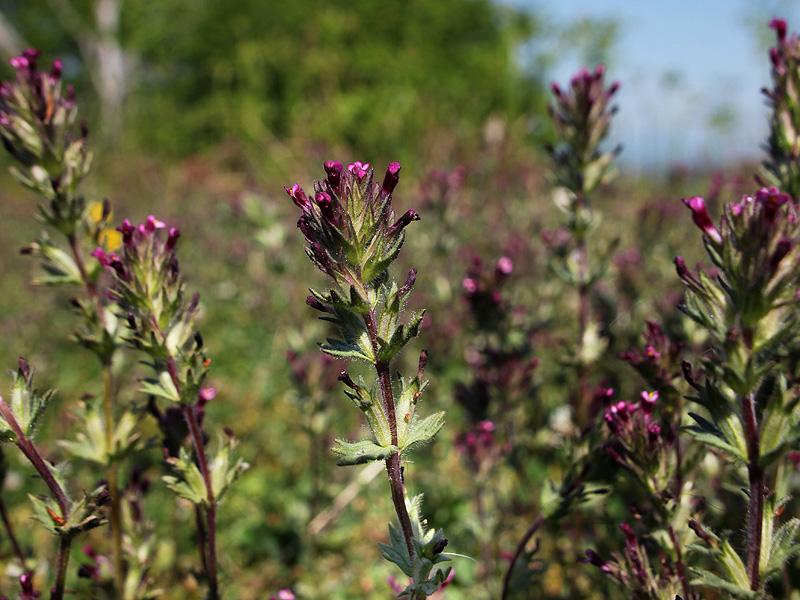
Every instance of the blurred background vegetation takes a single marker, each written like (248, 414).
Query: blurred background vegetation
(200, 111)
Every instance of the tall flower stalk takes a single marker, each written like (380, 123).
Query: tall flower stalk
(582, 117)
(39, 128)
(354, 236)
(750, 312)
(149, 293)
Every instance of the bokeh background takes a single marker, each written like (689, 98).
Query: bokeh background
(200, 111)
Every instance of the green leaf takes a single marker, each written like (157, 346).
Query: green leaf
(358, 453)
(162, 387)
(397, 551)
(27, 406)
(187, 482)
(707, 432)
(784, 547)
(58, 264)
(708, 579)
(91, 443)
(341, 349)
(400, 337)
(421, 431)
(224, 467)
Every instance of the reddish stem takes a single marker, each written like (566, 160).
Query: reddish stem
(756, 477)
(202, 461)
(679, 564)
(520, 549)
(9, 529)
(393, 467)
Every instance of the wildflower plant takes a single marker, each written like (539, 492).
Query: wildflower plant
(353, 237)
(750, 312)
(582, 117)
(780, 168)
(140, 303)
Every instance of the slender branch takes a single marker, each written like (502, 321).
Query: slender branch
(211, 509)
(32, 454)
(202, 461)
(393, 468)
(679, 563)
(63, 562)
(10, 530)
(756, 476)
(111, 476)
(520, 549)
(201, 536)
(91, 288)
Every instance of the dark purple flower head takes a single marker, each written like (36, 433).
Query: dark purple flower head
(27, 592)
(102, 257)
(701, 218)
(779, 25)
(127, 230)
(333, 168)
(359, 169)
(172, 239)
(771, 200)
(593, 558)
(649, 400)
(391, 179)
(298, 196)
(408, 217)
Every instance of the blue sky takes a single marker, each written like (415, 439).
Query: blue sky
(712, 47)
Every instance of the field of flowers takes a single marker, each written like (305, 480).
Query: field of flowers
(530, 389)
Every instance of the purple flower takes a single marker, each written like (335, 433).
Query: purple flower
(27, 592)
(358, 169)
(779, 25)
(172, 239)
(701, 218)
(505, 266)
(593, 558)
(126, 229)
(299, 197)
(391, 178)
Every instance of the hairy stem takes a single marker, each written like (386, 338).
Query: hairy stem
(211, 509)
(202, 461)
(63, 562)
(756, 477)
(32, 454)
(393, 468)
(111, 476)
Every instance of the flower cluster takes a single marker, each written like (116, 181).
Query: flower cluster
(149, 291)
(582, 117)
(482, 291)
(750, 307)
(783, 144)
(353, 236)
(479, 447)
(27, 591)
(656, 362)
(639, 441)
(38, 128)
(634, 570)
(347, 208)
